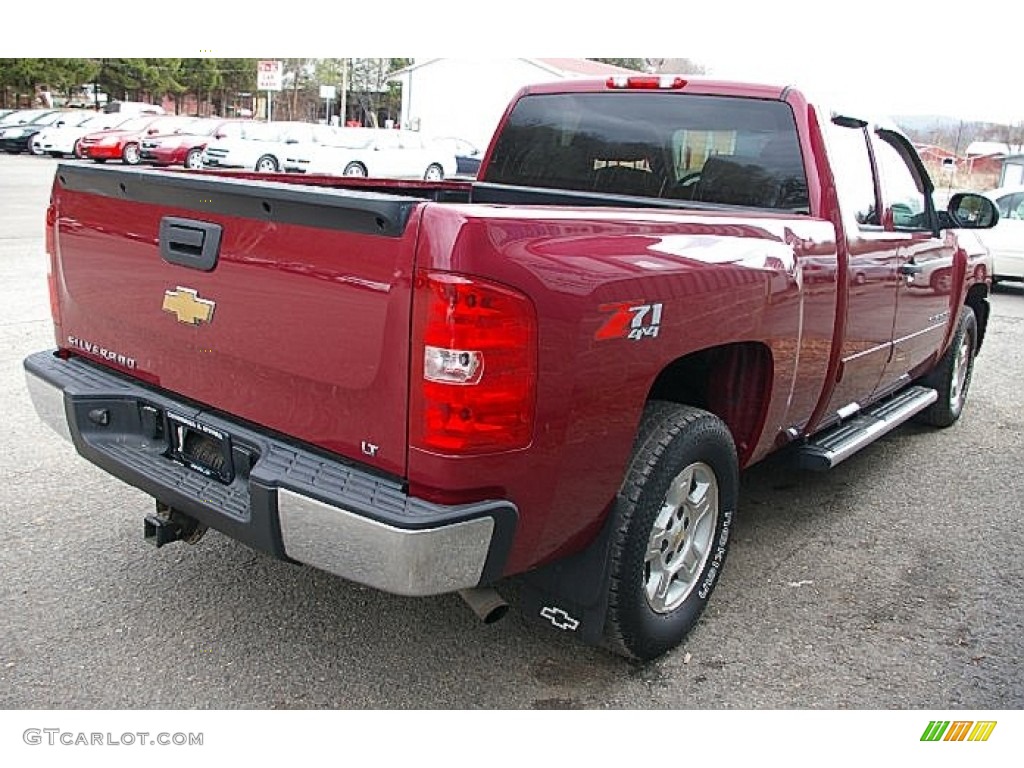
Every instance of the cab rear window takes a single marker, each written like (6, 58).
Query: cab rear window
(713, 149)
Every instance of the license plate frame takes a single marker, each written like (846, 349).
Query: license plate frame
(200, 447)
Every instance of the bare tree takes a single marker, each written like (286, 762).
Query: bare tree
(675, 66)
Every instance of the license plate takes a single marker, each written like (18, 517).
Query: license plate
(200, 447)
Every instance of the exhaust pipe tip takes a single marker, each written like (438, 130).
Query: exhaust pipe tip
(486, 603)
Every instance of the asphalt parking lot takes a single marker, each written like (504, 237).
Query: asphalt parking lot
(895, 581)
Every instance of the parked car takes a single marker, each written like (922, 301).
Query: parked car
(15, 139)
(22, 116)
(185, 146)
(1005, 240)
(263, 146)
(132, 108)
(376, 152)
(467, 155)
(122, 143)
(62, 137)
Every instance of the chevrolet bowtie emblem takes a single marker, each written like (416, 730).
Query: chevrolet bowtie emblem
(185, 304)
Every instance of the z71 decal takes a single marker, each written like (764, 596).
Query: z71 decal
(630, 320)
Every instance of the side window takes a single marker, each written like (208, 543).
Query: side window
(901, 188)
(1011, 206)
(855, 180)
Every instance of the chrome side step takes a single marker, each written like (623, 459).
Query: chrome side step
(840, 442)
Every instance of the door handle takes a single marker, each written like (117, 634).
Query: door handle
(190, 243)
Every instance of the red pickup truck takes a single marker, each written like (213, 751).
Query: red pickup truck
(550, 376)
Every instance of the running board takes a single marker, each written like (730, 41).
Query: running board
(826, 450)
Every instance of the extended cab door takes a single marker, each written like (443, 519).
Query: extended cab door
(871, 255)
(924, 259)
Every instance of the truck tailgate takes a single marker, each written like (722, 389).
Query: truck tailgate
(285, 305)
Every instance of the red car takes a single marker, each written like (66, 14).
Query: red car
(185, 146)
(123, 143)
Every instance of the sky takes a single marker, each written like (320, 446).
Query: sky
(879, 57)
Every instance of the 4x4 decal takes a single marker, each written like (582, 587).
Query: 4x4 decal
(630, 320)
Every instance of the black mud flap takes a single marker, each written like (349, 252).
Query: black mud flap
(571, 595)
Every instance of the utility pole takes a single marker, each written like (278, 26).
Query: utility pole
(343, 118)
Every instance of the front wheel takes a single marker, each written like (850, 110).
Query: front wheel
(951, 377)
(267, 164)
(675, 512)
(355, 169)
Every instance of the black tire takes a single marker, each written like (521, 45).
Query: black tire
(677, 447)
(357, 170)
(951, 378)
(194, 159)
(267, 164)
(434, 172)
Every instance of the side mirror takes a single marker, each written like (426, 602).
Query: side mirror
(973, 211)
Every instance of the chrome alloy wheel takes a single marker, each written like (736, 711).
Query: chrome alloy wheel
(961, 372)
(681, 538)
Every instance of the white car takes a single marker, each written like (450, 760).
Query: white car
(1005, 240)
(263, 146)
(62, 138)
(376, 152)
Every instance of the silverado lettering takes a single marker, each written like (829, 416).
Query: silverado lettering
(552, 374)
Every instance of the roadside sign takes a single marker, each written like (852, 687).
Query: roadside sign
(269, 75)
(328, 91)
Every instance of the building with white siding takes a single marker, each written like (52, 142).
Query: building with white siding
(467, 97)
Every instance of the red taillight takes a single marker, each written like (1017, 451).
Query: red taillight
(641, 82)
(51, 251)
(474, 365)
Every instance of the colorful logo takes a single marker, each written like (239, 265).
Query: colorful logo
(958, 730)
(630, 320)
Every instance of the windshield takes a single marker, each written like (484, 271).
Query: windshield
(45, 119)
(104, 122)
(712, 149)
(136, 123)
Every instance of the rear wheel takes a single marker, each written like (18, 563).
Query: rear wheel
(194, 159)
(951, 378)
(675, 513)
(130, 154)
(434, 173)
